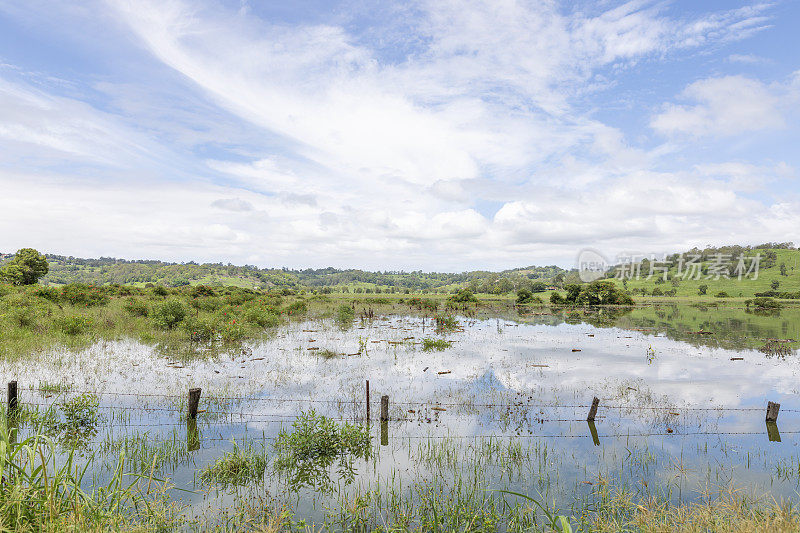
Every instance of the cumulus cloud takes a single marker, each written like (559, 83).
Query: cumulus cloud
(307, 144)
(232, 204)
(726, 106)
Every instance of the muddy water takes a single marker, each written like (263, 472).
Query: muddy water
(678, 410)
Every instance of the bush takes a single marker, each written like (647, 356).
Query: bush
(80, 294)
(722, 294)
(265, 318)
(74, 325)
(169, 314)
(315, 443)
(136, 307)
(160, 290)
(463, 296)
(296, 308)
(658, 292)
(345, 314)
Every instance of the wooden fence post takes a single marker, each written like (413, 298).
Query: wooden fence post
(367, 400)
(194, 401)
(593, 409)
(12, 397)
(384, 408)
(772, 411)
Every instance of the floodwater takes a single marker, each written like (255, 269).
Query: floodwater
(682, 398)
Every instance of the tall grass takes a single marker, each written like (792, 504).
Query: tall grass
(43, 491)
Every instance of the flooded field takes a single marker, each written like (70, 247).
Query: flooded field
(477, 406)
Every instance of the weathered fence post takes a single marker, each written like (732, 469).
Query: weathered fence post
(593, 409)
(772, 411)
(12, 397)
(192, 435)
(384, 408)
(593, 431)
(194, 401)
(772, 432)
(367, 400)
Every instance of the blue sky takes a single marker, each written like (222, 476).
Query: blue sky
(435, 135)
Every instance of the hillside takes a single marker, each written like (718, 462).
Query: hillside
(778, 272)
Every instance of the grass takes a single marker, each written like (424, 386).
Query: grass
(42, 491)
(429, 345)
(315, 444)
(240, 466)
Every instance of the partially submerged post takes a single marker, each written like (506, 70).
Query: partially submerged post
(593, 431)
(384, 408)
(772, 432)
(12, 397)
(593, 409)
(367, 400)
(194, 401)
(192, 435)
(772, 411)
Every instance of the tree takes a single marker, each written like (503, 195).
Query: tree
(775, 284)
(783, 269)
(702, 289)
(26, 268)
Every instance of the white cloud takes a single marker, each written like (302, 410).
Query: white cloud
(468, 151)
(726, 106)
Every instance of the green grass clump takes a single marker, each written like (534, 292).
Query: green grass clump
(429, 345)
(344, 314)
(315, 443)
(169, 314)
(238, 467)
(446, 322)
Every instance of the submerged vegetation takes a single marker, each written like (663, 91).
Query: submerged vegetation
(315, 444)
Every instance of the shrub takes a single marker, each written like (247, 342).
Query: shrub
(74, 324)
(296, 308)
(168, 314)
(201, 291)
(314, 444)
(80, 294)
(463, 296)
(136, 307)
(160, 290)
(344, 313)
(526, 297)
(265, 318)
(722, 294)
(657, 292)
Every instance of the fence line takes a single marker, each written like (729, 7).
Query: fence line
(465, 405)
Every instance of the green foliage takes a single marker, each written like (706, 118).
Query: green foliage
(463, 296)
(263, 317)
(722, 294)
(27, 266)
(315, 444)
(169, 314)
(237, 467)
(73, 325)
(526, 297)
(445, 323)
(136, 307)
(763, 303)
(344, 314)
(429, 345)
(82, 295)
(594, 293)
(296, 308)
(702, 289)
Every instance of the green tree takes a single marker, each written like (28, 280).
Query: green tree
(702, 289)
(26, 268)
(775, 284)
